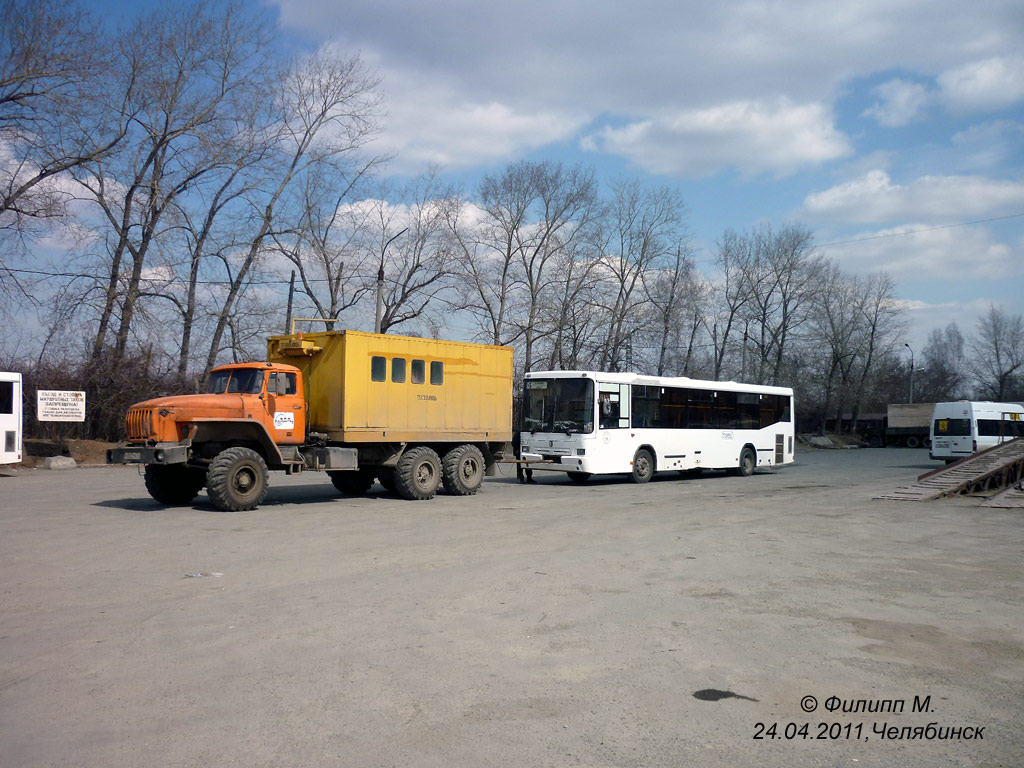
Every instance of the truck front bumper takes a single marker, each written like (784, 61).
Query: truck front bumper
(161, 453)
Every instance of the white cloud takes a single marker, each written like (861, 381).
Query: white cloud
(990, 84)
(875, 198)
(432, 123)
(900, 102)
(478, 83)
(914, 252)
(752, 136)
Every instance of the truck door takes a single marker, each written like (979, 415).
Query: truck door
(286, 415)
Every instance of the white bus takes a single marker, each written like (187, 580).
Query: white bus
(964, 427)
(10, 418)
(585, 423)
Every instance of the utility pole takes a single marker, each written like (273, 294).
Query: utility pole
(911, 400)
(380, 283)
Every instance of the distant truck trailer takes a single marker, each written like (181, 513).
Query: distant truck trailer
(908, 424)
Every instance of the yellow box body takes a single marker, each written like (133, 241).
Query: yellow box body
(472, 404)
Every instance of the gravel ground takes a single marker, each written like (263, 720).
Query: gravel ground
(544, 625)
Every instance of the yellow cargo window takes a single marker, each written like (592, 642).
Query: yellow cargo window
(436, 372)
(398, 370)
(378, 369)
(419, 371)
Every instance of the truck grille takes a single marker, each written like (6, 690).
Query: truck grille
(139, 422)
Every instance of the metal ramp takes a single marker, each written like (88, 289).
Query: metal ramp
(984, 473)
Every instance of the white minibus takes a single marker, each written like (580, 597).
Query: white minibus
(964, 427)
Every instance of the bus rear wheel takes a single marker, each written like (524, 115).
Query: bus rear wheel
(643, 466)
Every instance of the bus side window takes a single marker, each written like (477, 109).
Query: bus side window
(436, 372)
(419, 372)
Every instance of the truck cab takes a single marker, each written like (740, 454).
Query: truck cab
(252, 413)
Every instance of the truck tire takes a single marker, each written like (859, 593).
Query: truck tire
(913, 441)
(418, 474)
(174, 485)
(462, 471)
(351, 483)
(237, 479)
(643, 466)
(578, 477)
(748, 460)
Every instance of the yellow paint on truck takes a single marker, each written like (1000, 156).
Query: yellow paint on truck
(365, 387)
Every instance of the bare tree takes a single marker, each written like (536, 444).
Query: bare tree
(881, 323)
(417, 264)
(677, 296)
(998, 354)
(785, 273)
(50, 80)
(179, 69)
(735, 261)
(945, 366)
(641, 228)
(325, 111)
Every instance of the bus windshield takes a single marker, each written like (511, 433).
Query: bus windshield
(559, 405)
(236, 381)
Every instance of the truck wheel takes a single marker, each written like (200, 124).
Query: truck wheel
(643, 466)
(418, 474)
(463, 470)
(748, 460)
(352, 483)
(237, 479)
(578, 477)
(174, 485)
(913, 441)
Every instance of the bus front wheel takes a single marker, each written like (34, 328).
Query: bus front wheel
(643, 466)
(578, 477)
(748, 460)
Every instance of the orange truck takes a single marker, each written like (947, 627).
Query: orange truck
(413, 414)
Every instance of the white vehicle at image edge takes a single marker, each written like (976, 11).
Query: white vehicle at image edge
(961, 428)
(586, 422)
(10, 418)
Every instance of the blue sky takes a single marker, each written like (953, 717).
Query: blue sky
(893, 128)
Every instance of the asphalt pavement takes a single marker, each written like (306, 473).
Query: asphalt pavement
(785, 619)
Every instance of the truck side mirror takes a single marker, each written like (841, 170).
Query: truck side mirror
(282, 384)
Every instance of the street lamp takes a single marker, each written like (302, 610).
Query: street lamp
(911, 400)
(380, 282)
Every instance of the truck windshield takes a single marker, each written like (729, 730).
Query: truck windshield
(236, 381)
(559, 405)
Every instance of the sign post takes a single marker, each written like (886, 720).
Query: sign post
(61, 406)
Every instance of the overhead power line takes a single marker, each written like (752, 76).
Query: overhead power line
(919, 231)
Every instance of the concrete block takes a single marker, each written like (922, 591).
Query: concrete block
(59, 462)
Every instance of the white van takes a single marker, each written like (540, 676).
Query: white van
(10, 418)
(964, 427)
